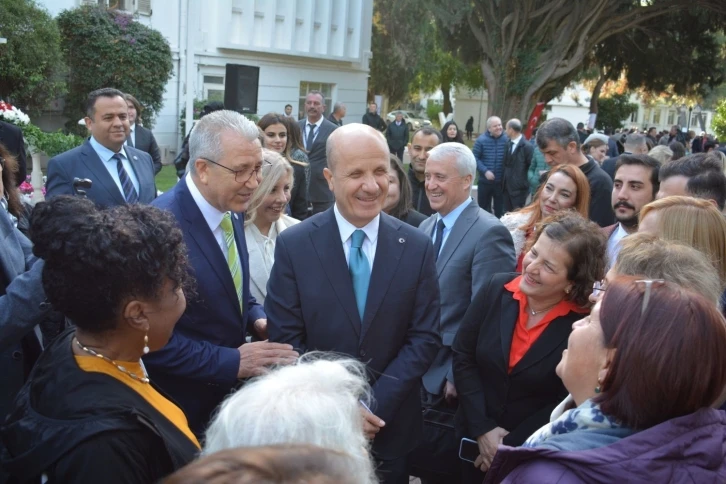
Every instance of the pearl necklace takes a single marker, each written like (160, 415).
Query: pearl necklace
(144, 379)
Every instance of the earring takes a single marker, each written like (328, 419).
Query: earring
(597, 388)
(146, 343)
(567, 291)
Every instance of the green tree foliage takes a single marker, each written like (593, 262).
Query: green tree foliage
(107, 48)
(614, 110)
(31, 69)
(718, 123)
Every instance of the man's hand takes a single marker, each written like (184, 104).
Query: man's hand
(255, 358)
(489, 175)
(261, 328)
(371, 424)
(488, 444)
(450, 393)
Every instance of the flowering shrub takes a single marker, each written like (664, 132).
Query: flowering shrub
(11, 114)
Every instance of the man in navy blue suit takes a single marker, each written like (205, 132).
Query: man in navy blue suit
(120, 174)
(207, 353)
(356, 281)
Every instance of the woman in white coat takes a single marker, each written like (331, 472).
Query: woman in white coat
(265, 219)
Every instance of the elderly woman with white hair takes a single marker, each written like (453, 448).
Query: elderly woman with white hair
(317, 401)
(265, 219)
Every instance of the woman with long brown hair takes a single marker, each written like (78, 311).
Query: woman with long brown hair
(566, 187)
(10, 199)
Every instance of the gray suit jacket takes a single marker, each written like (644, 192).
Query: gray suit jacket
(478, 247)
(319, 191)
(22, 307)
(83, 162)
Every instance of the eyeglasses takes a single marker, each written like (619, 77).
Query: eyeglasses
(648, 285)
(241, 176)
(598, 288)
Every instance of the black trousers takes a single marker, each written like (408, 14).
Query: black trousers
(398, 152)
(514, 201)
(491, 193)
(393, 471)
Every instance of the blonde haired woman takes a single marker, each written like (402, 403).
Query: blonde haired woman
(265, 219)
(691, 221)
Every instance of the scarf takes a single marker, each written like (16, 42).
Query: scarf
(587, 417)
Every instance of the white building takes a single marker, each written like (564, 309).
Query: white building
(298, 45)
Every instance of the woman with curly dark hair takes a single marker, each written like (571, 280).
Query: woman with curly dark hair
(511, 338)
(88, 412)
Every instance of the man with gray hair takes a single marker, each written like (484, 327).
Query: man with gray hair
(489, 150)
(207, 354)
(635, 144)
(517, 160)
(336, 117)
(470, 245)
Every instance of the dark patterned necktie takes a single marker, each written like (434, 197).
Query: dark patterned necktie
(128, 187)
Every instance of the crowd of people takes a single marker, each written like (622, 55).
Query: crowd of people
(300, 307)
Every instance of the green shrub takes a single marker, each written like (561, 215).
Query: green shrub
(718, 123)
(107, 48)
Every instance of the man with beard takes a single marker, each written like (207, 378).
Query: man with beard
(423, 141)
(636, 184)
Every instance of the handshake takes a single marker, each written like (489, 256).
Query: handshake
(255, 358)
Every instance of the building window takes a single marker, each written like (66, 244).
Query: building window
(213, 87)
(656, 116)
(143, 7)
(634, 117)
(326, 89)
(671, 117)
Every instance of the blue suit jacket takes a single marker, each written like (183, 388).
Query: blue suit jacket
(199, 365)
(310, 304)
(83, 162)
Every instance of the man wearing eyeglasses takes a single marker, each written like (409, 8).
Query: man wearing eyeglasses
(207, 353)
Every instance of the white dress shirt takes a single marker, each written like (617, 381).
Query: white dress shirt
(369, 242)
(132, 135)
(212, 216)
(515, 142)
(109, 162)
(614, 244)
(317, 124)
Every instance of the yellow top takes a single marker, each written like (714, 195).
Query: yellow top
(155, 399)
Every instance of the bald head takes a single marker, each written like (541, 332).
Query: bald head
(351, 138)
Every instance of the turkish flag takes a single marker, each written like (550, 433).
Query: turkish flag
(534, 119)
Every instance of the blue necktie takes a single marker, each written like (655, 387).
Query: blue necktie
(438, 241)
(128, 187)
(360, 271)
(311, 137)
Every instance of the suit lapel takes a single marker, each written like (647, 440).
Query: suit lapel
(101, 175)
(389, 248)
(133, 157)
(329, 248)
(198, 229)
(557, 332)
(458, 231)
(510, 314)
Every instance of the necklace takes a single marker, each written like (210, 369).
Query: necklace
(142, 379)
(535, 313)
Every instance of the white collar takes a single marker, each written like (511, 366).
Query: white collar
(210, 213)
(317, 123)
(516, 140)
(346, 228)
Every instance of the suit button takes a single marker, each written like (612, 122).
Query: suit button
(362, 352)
(44, 305)
(17, 355)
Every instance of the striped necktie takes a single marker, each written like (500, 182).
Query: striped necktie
(129, 191)
(235, 267)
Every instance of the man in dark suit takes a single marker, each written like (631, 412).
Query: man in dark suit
(120, 174)
(315, 130)
(474, 245)
(12, 138)
(140, 137)
(635, 144)
(358, 282)
(397, 136)
(207, 353)
(517, 160)
(336, 117)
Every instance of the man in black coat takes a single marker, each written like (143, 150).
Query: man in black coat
(373, 119)
(12, 138)
(397, 136)
(517, 160)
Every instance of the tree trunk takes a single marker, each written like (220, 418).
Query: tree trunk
(596, 93)
(446, 91)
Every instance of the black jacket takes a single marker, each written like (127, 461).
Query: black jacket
(375, 121)
(146, 142)
(397, 136)
(516, 167)
(78, 426)
(418, 194)
(521, 401)
(601, 190)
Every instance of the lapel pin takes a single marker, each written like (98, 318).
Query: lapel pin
(401, 240)
(136, 157)
(236, 217)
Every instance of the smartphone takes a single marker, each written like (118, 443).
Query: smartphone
(468, 450)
